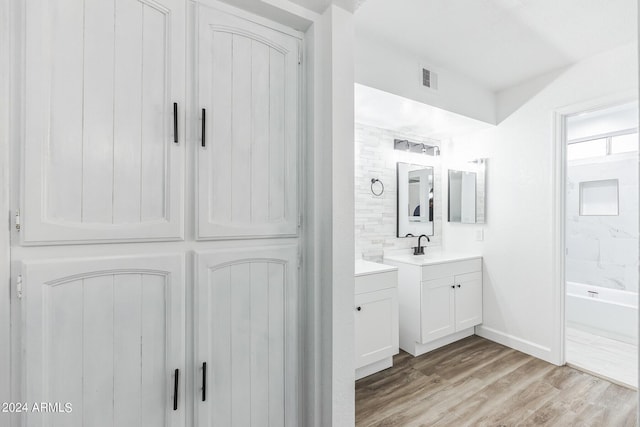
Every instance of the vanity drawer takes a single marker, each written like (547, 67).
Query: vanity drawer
(436, 271)
(376, 282)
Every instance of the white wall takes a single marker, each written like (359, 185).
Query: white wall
(333, 213)
(389, 69)
(343, 397)
(519, 294)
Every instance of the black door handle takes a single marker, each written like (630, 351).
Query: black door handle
(204, 381)
(175, 122)
(175, 389)
(359, 308)
(204, 127)
(458, 285)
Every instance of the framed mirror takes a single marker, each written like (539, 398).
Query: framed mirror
(466, 193)
(415, 200)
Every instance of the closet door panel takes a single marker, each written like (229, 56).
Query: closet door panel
(127, 295)
(127, 110)
(97, 349)
(62, 89)
(246, 331)
(217, 203)
(282, 308)
(241, 141)
(97, 113)
(105, 336)
(100, 162)
(65, 379)
(248, 85)
(277, 132)
(156, 108)
(260, 113)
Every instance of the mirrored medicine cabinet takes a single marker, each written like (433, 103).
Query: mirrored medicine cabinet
(467, 193)
(414, 200)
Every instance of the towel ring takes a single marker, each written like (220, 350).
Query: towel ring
(373, 181)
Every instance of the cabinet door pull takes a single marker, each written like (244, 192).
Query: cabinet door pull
(204, 127)
(176, 375)
(359, 308)
(453, 286)
(204, 381)
(458, 285)
(175, 122)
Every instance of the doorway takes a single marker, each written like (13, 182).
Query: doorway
(601, 241)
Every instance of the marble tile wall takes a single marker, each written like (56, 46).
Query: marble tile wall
(603, 250)
(375, 216)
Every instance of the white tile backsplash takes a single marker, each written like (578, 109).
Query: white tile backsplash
(375, 216)
(603, 250)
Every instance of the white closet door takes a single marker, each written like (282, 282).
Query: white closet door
(100, 161)
(247, 332)
(248, 77)
(106, 336)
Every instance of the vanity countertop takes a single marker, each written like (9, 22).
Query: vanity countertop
(363, 268)
(430, 258)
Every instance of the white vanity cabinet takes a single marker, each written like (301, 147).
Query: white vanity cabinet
(440, 299)
(376, 317)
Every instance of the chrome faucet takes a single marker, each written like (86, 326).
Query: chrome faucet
(419, 250)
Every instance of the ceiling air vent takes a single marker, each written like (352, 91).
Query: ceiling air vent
(429, 79)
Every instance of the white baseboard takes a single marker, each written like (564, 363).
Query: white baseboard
(374, 367)
(418, 349)
(528, 347)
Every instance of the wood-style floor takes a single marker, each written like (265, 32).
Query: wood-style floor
(476, 382)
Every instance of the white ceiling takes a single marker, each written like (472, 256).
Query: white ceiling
(384, 110)
(499, 43)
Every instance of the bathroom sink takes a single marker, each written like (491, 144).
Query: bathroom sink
(433, 257)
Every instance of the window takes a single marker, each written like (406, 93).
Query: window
(603, 146)
(624, 143)
(586, 149)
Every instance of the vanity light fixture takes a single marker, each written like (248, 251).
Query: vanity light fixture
(416, 147)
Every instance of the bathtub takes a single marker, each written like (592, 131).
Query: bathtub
(602, 311)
